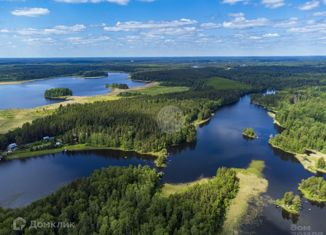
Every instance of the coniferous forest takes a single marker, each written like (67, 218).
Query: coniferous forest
(302, 114)
(128, 201)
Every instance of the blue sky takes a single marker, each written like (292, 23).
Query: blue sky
(112, 28)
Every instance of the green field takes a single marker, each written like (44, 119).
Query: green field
(169, 189)
(226, 84)
(159, 90)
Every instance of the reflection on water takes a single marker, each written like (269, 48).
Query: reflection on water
(219, 143)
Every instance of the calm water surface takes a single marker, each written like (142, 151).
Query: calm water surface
(31, 94)
(220, 143)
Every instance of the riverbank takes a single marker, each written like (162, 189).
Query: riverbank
(80, 147)
(13, 83)
(273, 115)
(308, 160)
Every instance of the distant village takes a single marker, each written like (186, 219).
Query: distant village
(47, 142)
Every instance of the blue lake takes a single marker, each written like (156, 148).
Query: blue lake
(31, 94)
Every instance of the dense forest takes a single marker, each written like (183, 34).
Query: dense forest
(128, 201)
(57, 93)
(260, 77)
(261, 73)
(20, 72)
(302, 112)
(117, 124)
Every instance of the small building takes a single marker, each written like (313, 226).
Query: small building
(12, 147)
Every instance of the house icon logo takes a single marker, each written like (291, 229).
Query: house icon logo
(19, 224)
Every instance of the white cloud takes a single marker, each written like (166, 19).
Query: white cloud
(89, 40)
(310, 28)
(4, 31)
(240, 22)
(39, 40)
(266, 35)
(30, 12)
(57, 30)
(137, 25)
(320, 13)
(182, 31)
(232, 2)
(309, 5)
(273, 3)
(210, 25)
(270, 35)
(287, 23)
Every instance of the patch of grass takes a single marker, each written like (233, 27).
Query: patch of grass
(13, 118)
(169, 189)
(226, 84)
(255, 167)
(251, 186)
(158, 90)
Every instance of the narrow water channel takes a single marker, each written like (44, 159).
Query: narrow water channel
(219, 143)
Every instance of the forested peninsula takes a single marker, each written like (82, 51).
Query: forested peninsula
(128, 200)
(302, 114)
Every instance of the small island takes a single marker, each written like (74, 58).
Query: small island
(249, 133)
(121, 86)
(314, 189)
(93, 74)
(57, 93)
(290, 203)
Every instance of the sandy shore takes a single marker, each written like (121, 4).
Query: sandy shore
(15, 82)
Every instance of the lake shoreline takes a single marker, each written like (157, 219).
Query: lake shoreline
(78, 148)
(305, 160)
(68, 76)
